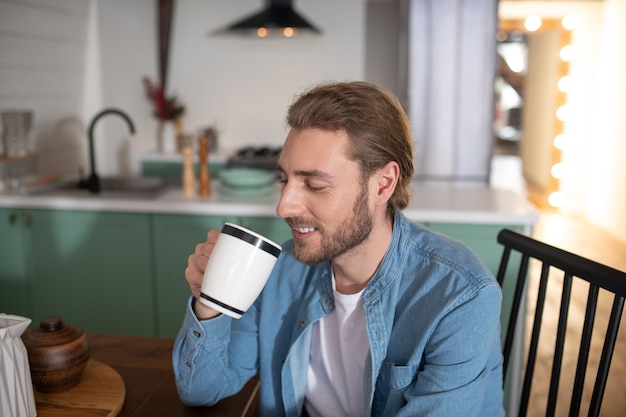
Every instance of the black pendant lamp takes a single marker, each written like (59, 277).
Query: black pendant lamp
(278, 18)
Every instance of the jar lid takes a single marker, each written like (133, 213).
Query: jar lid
(51, 332)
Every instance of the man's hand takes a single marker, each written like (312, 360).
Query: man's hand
(196, 264)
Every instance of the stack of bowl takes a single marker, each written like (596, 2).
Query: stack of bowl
(246, 182)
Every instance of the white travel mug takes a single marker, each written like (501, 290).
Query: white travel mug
(237, 270)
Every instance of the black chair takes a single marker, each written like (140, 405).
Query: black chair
(569, 266)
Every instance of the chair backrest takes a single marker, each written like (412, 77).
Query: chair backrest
(570, 267)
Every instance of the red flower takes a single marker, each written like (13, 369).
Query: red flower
(164, 108)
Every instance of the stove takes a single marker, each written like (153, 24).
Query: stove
(263, 157)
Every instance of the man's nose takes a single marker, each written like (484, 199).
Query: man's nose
(289, 204)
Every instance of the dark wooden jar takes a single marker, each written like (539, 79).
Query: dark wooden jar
(57, 354)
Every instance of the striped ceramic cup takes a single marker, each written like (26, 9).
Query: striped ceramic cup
(238, 268)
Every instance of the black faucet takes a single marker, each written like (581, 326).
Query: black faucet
(92, 183)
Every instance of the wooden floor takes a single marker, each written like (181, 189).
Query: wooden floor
(579, 236)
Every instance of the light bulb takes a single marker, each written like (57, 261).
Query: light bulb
(565, 84)
(533, 22)
(560, 141)
(570, 21)
(556, 199)
(557, 170)
(567, 53)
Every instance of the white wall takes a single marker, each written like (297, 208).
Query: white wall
(124, 48)
(243, 85)
(42, 68)
(605, 201)
(69, 59)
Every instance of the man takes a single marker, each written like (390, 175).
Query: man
(365, 313)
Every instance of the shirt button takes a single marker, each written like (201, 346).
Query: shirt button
(196, 333)
(301, 324)
(188, 364)
(329, 301)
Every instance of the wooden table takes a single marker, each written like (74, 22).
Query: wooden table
(145, 365)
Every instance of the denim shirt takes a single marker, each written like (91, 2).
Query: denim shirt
(432, 314)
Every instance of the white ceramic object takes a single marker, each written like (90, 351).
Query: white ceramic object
(239, 266)
(16, 388)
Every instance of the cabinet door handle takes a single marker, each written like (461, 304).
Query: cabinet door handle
(12, 217)
(27, 219)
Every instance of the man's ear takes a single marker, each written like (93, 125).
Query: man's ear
(386, 181)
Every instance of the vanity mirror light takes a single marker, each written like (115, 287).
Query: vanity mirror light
(542, 85)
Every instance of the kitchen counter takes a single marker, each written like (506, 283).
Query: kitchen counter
(431, 202)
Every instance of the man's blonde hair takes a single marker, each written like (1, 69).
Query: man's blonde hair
(377, 126)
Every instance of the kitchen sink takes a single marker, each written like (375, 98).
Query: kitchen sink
(112, 187)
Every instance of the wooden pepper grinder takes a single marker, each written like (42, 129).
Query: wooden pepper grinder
(205, 175)
(189, 180)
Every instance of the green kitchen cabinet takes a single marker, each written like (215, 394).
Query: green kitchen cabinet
(91, 268)
(174, 170)
(14, 285)
(175, 238)
(481, 238)
(106, 272)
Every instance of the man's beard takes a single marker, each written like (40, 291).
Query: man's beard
(352, 232)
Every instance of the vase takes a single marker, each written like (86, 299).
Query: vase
(16, 389)
(170, 135)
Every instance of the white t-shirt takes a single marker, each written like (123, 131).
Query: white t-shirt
(339, 347)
